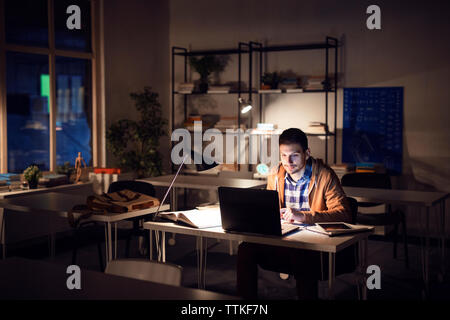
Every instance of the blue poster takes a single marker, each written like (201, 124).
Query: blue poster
(373, 126)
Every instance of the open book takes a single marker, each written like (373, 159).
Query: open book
(205, 218)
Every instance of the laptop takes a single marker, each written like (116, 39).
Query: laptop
(252, 211)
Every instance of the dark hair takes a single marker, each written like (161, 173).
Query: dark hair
(294, 135)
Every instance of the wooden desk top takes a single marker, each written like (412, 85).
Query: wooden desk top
(32, 279)
(204, 182)
(392, 196)
(60, 203)
(301, 239)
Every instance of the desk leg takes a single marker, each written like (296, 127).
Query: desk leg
(163, 246)
(150, 245)
(115, 240)
(364, 246)
(201, 262)
(331, 274)
(443, 266)
(109, 241)
(106, 244)
(427, 252)
(2, 232)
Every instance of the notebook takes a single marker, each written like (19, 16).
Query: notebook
(337, 228)
(252, 211)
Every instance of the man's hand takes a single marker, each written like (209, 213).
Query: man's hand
(292, 215)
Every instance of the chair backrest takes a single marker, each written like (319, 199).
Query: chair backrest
(368, 180)
(136, 186)
(353, 207)
(165, 273)
(236, 174)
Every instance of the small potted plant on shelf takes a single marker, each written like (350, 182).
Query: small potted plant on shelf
(32, 175)
(270, 80)
(207, 65)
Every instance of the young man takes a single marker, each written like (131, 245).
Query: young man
(309, 191)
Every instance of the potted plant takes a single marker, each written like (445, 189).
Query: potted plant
(207, 65)
(270, 80)
(32, 175)
(136, 143)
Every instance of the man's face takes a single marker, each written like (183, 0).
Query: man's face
(293, 158)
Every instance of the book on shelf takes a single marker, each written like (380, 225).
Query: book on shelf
(342, 168)
(53, 180)
(294, 90)
(369, 167)
(185, 88)
(203, 218)
(317, 128)
(269, 91)
(218, 89)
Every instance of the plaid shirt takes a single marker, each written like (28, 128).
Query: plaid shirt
(296, 193)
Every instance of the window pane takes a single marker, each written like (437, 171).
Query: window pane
(73, 39)
(26, 22)
(27, 111)
(74, 110)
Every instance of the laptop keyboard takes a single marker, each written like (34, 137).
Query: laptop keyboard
(287, 227)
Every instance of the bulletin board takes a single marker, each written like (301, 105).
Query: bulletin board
(373, 126)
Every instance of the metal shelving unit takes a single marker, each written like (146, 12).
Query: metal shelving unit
(248, 49)
(329, 44)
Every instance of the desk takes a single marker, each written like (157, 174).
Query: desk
(54, 204)
(202, 182)
(302, 239)
(86, 186)
(31, 279)
(410, 198)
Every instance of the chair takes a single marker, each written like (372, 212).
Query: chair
(165, 273)
(136, 186)
(389, 217)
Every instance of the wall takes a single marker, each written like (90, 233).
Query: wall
(136, 55)
(411, 51)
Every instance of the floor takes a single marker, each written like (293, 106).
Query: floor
(396, 281)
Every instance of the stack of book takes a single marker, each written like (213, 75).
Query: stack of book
(288, 83)
(53, 180)
(218, 89)
(370, 167)
(317, 128)
(342, 169)
(9, 181)
(185, 87)
(226, 123)
(315, 83)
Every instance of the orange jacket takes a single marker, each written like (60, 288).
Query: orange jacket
(326, 197)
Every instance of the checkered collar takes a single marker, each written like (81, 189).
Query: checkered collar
(305, 177)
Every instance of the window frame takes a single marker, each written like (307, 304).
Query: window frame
(97, 67)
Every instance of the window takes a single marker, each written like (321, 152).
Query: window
(28, 111)
(74, 109)
(47, 103)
